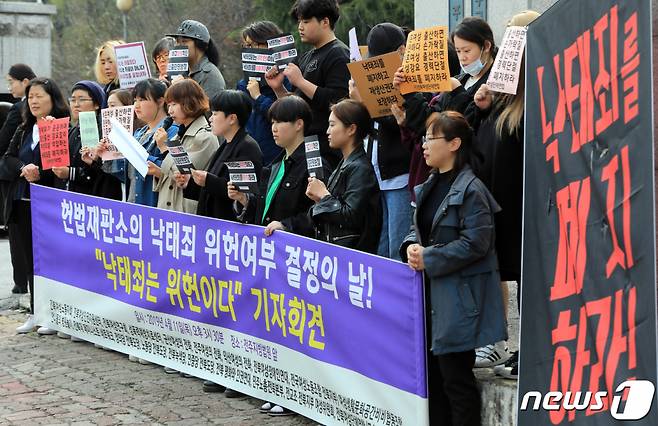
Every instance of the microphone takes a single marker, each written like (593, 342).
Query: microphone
(166, 124)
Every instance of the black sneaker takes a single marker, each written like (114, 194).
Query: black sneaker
(212, 387)
(18, 290)
(509, 370)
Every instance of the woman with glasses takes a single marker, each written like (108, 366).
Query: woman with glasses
(160, 56)
(452, 243)
(21, 166)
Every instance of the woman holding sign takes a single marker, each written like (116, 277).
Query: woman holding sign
(230, 112)
(347, 210)
(187, 105)
(21, 165)
(452, 242)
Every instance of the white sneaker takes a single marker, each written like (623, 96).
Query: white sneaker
(45, 331)
(491, 355)
(63, 335)
(29, 325)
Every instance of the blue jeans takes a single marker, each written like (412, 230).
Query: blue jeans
(396, 222)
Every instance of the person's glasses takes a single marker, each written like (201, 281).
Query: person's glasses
(79, 100)
(162, 58)
(433, 138)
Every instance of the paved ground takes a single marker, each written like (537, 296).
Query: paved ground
(47, 380)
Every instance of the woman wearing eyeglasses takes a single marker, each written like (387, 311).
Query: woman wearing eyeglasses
(160, 56)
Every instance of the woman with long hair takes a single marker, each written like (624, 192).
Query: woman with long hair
(21, 166)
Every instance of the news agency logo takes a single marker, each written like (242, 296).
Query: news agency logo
(638, 402)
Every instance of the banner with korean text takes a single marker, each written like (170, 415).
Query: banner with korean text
(588, 314)
(331, 333)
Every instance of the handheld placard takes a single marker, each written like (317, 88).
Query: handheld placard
(243, 176)
(313, 157)
(178, 64)
(180, 156)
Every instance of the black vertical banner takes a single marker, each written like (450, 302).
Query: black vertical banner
(589, 281)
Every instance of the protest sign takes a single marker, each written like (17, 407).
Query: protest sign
(374, 79)
(88, 129)
(334, 334)
(355, 53)
(243, 176)
(54, 142)
(283, 50)
(504, 74)
(132, 64)
(125, 115)
(180, 156)
(313, 157)
(178, 62)
(127, 145)
(255, 63)
(589, 279)
(425, 63)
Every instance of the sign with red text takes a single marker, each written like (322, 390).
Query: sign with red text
(132, 64)
(54, 143)
(588, 325)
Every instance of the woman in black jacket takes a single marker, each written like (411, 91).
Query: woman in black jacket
(347, 211)
(18, 78)
(21, 166)
(230, 112)
(476, 48)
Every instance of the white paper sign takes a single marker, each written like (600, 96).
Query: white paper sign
(132, 64)
(132, 150)
(504, 75)
(355, 53)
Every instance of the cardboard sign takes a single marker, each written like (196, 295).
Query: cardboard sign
(255, 63)
(504, 75)
(179, 64)
(243, 176)
(425, 62)
(283, 50)
(374, 79)
(132, 64)
(131, 149)
(125, 115)
(355, 53)
(88, 129)
(180, 156)
(54, 143)
(313, 157)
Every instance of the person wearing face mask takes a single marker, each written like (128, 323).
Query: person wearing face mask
(475, 46)
(203, 56)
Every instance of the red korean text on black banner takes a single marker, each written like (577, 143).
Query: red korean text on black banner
(589, 283)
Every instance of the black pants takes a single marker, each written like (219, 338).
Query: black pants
(454, 398)
(20, 240)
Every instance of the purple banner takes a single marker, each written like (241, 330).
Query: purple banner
(336, 305)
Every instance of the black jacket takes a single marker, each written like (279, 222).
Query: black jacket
(10, 171)
(460, 100)
(290, 204)
(351, 216)
(213, 198)
(88, 179)
(500, 166)
(393, 158)
(10, 125)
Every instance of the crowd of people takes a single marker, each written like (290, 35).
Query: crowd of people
(437, 184)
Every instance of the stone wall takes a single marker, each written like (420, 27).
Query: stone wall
(25, 36)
